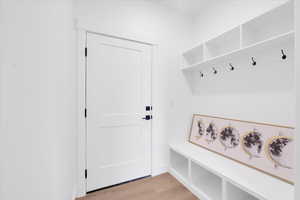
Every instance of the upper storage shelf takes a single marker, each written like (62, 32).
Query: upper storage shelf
(273, 23)
(270, 47)
(265, 29)
(193, 55)
(227, 42)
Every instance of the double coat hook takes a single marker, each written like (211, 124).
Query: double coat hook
(201, 74)
(253, 61)
(215, 71)
(231, 67)
(283, 55)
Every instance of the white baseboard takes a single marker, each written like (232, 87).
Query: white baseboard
(74, 196)
(80, 194)
(155, 172)
(159, 171)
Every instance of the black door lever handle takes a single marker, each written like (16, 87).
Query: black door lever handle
(147, 117)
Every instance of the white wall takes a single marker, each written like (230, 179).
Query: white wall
(37, 100)
(297, 75)
(148, 22)
(253, 104)
(219, 17)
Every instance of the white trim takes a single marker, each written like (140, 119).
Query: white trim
(118, 37)
(81, 44)
(81, 65)
(154, 63)
(74, 195)
(92, 27)
(159, 171)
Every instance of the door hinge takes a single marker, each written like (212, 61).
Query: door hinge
(85, 51)
(85, 113)
(85, 174)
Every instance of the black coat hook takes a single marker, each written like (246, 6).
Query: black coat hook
(253, 61)
(215, 71)
(201, 74)
(231, 67)
(283, 55)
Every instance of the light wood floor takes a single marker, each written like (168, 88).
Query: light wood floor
(163, 187)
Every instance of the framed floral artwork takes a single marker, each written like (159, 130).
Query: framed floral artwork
(268, 148)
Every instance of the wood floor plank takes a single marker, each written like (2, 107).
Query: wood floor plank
(163, 187)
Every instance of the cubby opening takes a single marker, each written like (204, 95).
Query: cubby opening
(193, 56)
(225, 43)
(206, 182)
(272, 24)
(268, 58)
(179, 163)
(235, 193)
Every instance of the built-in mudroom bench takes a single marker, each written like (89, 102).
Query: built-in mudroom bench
(213, 177)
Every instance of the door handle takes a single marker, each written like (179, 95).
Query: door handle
(147, 117)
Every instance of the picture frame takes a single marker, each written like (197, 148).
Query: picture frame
(268, 148)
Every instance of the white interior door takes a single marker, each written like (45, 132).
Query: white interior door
(118, 89)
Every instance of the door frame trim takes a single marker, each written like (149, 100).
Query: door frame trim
(81, 104)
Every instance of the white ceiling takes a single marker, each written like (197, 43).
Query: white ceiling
(194, 7)
(191, 7)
